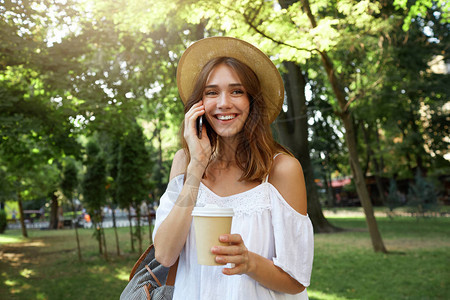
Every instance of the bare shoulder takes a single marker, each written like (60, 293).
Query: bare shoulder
(287, 177)
(178, 164)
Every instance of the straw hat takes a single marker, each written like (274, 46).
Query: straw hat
(198, 54)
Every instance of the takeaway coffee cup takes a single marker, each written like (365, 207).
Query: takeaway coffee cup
(210, 222)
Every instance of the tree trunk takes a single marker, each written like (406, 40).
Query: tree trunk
(379, 167)
(378, 182)
(22, 216)
(371, 157)
(138, 227)
(74, 222)
(361, 188)
(115, 231)
(102, 232)
(293, 131)
(358, 176)
(329, 189)
(98, 236)
(131, 230)
(377, 136)
(53, 212)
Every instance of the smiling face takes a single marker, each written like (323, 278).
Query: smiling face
(226, 101)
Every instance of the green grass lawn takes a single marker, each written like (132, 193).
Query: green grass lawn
(417, 267)
(45, 266)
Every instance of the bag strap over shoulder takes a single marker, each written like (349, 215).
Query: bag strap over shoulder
(141, 258)
(172, 274)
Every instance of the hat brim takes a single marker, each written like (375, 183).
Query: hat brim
(201, 52)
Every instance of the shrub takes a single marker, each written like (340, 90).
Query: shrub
(3, 222)
(393, 198)
(422, 196)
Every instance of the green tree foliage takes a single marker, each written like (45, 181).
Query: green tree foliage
(6, 187)
(34, 126)
(70, 179)
(69, 184)
(420, 8)
(113, 167)
(400, 114)
(132, 177)
(29, 170)
(415, 115)
(3, 221)
(94, 190)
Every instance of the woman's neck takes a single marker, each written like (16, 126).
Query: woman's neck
(226, 150)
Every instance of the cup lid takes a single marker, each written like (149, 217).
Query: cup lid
(212, 210)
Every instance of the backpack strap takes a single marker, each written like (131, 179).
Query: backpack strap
(172, 274)
(153, 275)
(139, 261)
(147, 291)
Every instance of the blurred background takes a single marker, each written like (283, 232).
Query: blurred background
(90, 117)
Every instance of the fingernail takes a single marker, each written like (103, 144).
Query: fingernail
(213, 249)
(223, 238)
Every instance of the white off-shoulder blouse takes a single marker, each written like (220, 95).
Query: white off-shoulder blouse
(269, 227)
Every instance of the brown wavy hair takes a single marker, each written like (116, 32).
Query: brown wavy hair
(256, 146)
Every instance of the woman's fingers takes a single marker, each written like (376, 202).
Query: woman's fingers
(231, 238)
(239, 269)
(236, 245)
(235, 253)
(200, 149)
(192, 115)
(228, 250)
(232, 259)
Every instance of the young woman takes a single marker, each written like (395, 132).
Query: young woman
(236, 163)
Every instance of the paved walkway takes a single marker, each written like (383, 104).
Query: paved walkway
(107, 223)
(359, 212)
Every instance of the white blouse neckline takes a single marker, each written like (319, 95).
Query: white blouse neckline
(244, 193)
(253, 189)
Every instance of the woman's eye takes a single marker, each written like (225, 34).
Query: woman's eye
(238, 92)
(210, 93)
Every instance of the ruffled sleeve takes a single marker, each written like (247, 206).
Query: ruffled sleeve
(167, 201)
(294, 239)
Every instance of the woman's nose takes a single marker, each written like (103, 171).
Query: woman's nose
(223, 101)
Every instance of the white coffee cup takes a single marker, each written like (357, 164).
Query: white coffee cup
(210, 222)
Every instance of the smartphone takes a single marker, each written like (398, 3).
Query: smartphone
(199, 126)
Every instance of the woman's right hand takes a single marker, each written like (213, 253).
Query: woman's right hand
(199, 149)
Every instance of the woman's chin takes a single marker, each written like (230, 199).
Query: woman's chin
(227, 134)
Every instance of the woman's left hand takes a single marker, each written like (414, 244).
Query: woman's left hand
(235, 253)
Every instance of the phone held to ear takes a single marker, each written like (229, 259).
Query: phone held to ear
(199, 126)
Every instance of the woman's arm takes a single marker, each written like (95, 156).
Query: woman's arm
(172, 233)
(287, 176)
(272, 277)
(257, 267)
